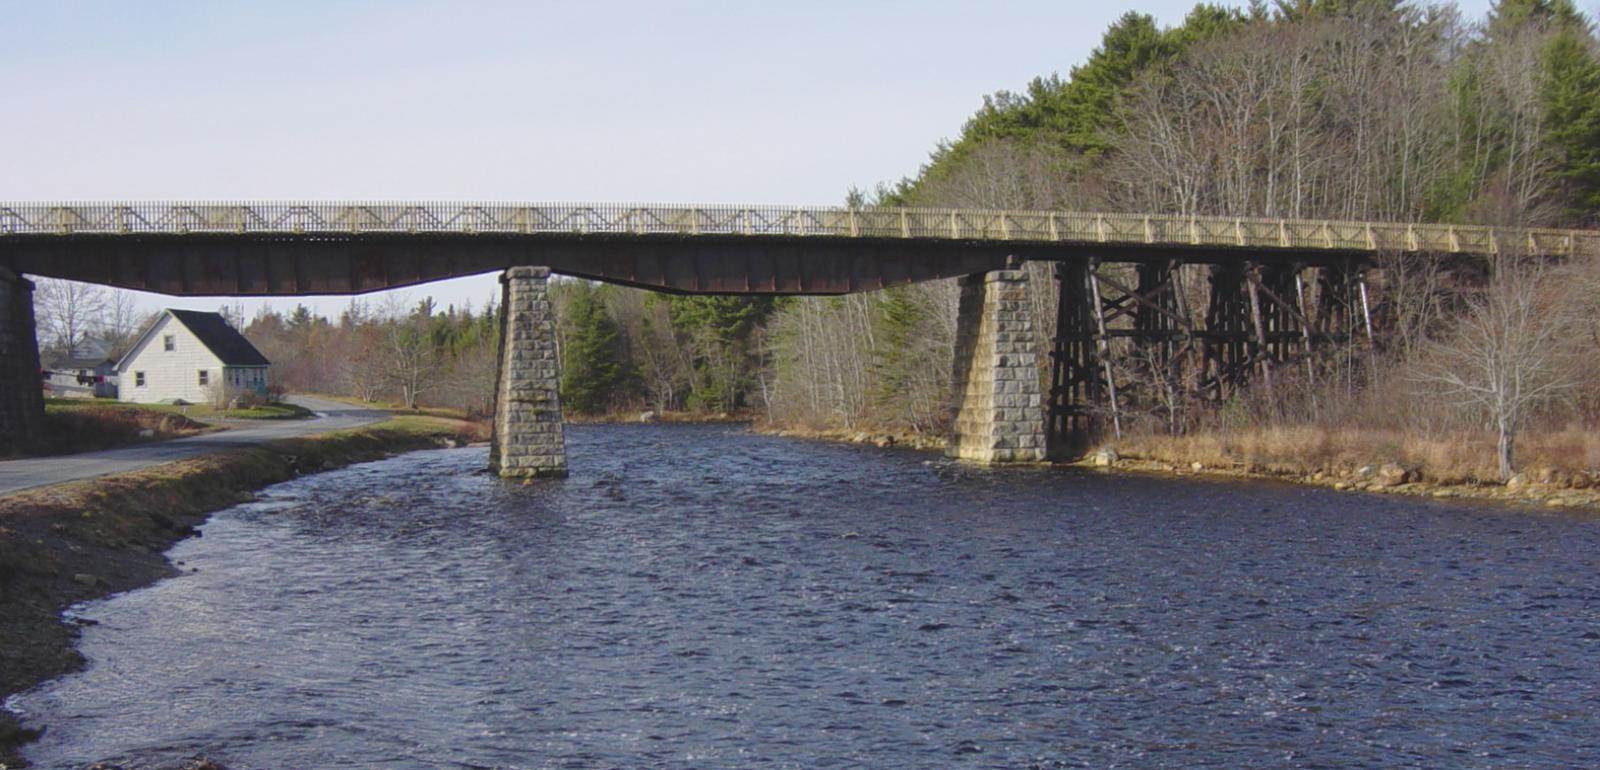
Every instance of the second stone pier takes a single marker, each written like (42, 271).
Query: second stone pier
(528, 440)
(996, 412)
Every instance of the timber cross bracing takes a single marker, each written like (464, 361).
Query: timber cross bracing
(350, 247)
(1126, 336)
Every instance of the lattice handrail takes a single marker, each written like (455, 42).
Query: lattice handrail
(341, 217)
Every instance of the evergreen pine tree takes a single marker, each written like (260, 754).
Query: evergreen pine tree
(1571, 96)
(1075, 115)
(900, 322)
(720, 328)
(592, 369)
(1508, 15)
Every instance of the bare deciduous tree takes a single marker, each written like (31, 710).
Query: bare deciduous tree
(472, 380)
(122, 320)
(67, 311)
(412, 363)
(362, 364)
(657, 353)
(1508, 352)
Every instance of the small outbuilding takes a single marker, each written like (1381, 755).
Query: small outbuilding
(80, 376)
(191, 356)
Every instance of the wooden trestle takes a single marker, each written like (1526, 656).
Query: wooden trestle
(1259, 319)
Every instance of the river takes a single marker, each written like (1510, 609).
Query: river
(699, 596)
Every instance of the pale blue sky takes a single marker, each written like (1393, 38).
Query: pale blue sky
(669, 102)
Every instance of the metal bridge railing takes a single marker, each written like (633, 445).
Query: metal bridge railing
(268, 218)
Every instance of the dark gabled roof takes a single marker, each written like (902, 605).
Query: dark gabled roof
(66, 362)
(223, 340)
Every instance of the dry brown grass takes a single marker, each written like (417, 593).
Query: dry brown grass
(1567, 456)
(70, 428)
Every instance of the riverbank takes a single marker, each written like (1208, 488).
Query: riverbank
(651, 416)
(879, 437)
(1556, 467)
(1354, 461)
(83, 540)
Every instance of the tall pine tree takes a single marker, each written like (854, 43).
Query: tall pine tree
(1571, 96)
(719, 329)
(592, 364)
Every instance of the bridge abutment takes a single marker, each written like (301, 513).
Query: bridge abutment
(21, 394)
(528, 439)
(995, 403)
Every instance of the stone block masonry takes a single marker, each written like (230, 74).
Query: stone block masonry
(21, 390)
(528, 441)
(996, 410)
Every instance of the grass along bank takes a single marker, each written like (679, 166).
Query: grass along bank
(84, 540)
(395, 407)
(279, 411)
(74, 425)
(1559, 468)
(81, 425)
(196, 412)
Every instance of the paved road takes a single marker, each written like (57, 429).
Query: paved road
(42, 471)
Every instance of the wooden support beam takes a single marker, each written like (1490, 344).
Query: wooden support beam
(1253, 280)
(1103, 351)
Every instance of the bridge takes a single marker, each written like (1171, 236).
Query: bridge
(292, 248)
(1276, 289)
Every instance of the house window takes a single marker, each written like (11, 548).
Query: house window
(169, 343)
(138, 379)
(205, 377)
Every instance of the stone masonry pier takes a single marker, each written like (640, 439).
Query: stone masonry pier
(997, 416)
(21, 395)
(528, 441)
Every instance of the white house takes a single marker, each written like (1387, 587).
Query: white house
(187, 355)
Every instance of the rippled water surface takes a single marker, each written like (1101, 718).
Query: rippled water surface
(701, 597)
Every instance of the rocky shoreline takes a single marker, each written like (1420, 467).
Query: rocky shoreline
(649, 416)
(877, 438)
(85, 540)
